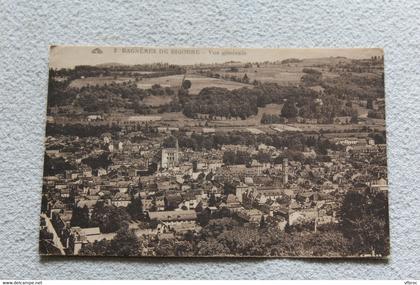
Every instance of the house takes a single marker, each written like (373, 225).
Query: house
(232, 202)
(57, 207)
(302, 216)
(160, 203)
(209, 130)
(165, 186)
(65, 193)
(241, 190)
(271, 192)
(189, 202)
(87, 172)
(71, 174)
(250, 216)
(173, 216)
(147, 204)
(101, 172)
(180, 221)
(362, 149)
(66, 217)
(120, 200)
(94, 117)
(379, 185)
(82, 236)
(107, 137)
(342, 120)
(306, 197)
(88, 203)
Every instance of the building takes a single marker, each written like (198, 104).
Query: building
(250, 216)
(242, 189)
(170, 157)
(81, 236)
(121, 200)
(178, 220)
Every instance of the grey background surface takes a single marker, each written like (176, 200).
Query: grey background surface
(28, 27)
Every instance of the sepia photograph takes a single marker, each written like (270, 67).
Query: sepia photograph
(215, 152)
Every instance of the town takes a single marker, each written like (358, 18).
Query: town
(280, 158)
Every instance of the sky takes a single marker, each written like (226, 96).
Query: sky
(70, 56)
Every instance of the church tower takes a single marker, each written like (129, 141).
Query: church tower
(176, 155)
(285, 171)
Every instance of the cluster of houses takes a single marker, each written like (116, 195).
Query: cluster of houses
(177, 185)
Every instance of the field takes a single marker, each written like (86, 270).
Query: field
(197, 82)
(282, 74)
(274, 74)
(200, 82)
(155, 101)
(143, 83)
(164, 81)
(93, 81)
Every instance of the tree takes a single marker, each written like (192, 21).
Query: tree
(311, 79)
(101, 161)
(209, 176)
(263, 157)
(169, 142)
(186, 84)
(354, 117)
(97, 248)
(184, 248)
(53, 166)
(135, 209)
(365, 222)
(204, 217)
(378, 138)
(262, 222)
(229, 157)
(353, 206)
(265, 119)
(45, 234)
(239, 157)
(289, 110)
(212, 200)
(125, 243)
(211, 248)
(328, 243)
(201, 176)
(245, 79)
(369, 104)
(165, 247)
(44, 203)
(109, 218)
(195, 165)
(80, 217)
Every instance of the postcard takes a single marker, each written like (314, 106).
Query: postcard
(215, 152)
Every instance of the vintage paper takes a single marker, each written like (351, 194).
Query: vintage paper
(215, 152)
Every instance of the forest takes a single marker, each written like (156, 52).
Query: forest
(299, 101)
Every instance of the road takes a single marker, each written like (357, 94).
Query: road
(56, 239)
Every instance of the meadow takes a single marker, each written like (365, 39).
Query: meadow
(100, 81)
